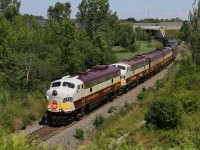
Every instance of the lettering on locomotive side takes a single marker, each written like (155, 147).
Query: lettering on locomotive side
(133, 78)
(141, 74)
(93, 96)
(107, 90)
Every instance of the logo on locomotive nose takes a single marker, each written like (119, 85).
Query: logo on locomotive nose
(54, 105)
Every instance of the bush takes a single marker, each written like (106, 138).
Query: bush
(135, 47)
(98, 121)
(160, 84)
(188, 99)
(143, 94)
(19, 142)
(186, 143)
(79, 134)
(162, 115)
(155, 44)
(111, 109)
(187, 67)
(125, 109)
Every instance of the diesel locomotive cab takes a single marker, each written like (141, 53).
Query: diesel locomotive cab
(124, 69)
(62, 94)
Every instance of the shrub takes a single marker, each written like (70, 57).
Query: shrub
(162, 115)
(188, 99)
(111, 109)
(160, 84)
(187, 67)
(4, 97)
(79, 134)
(98, 121)
(19, 142)
(143, 94)
(155, 44)
(135, 47)
(125, 109)
(186, 143)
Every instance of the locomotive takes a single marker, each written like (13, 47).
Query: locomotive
(70, 97)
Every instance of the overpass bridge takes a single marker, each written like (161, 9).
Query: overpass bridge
(158, 29)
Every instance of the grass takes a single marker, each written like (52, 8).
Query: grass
(17, 114)
(79, 134)
(114, 127)
(143, 47)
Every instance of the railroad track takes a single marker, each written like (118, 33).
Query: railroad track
(47, 132)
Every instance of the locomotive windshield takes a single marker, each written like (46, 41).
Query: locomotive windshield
(121, 67)
(68, 84)
(56, 84)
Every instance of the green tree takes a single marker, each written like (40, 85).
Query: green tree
(195, 31)
(142, 35)
(59, 11)
(4, 49)
(185, 31)
(91, 52)
(162, 115)
(96, 18)
(125, 35)
(10, 8)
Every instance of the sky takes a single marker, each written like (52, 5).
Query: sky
(138, 9)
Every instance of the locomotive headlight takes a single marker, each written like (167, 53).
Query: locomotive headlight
(67, 99)
(47, 98)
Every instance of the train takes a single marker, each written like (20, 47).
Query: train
(70, 98)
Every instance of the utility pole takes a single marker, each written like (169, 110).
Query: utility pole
(148, 14)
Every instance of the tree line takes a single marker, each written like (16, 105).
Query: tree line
(191, 31)
(31, 54)
(153, 20)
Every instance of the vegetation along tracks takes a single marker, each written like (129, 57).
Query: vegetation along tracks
(45, 133)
